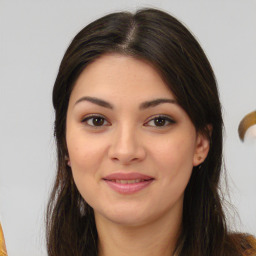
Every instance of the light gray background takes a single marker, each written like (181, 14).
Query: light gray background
(34, 36)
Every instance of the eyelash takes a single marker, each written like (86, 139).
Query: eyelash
(163, 117)
(92, 118)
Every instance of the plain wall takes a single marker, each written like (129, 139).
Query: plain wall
(34, 36)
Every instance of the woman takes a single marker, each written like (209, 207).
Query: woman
(139, 138)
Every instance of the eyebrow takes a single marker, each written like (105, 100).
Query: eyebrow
(156, 102)
(96, 101)
(144, 105)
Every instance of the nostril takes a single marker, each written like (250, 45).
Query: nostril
(126, 149)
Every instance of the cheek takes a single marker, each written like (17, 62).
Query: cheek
(174, 153)
(84, 151)
(85, 156)
(174, 161)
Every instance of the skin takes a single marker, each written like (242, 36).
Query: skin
(128, 138)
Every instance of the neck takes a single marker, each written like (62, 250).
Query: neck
(158, 238)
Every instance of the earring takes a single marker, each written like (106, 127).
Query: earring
(67, 161)
(200, 165)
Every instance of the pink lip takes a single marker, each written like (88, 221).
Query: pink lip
(128, 188)
(127, 176)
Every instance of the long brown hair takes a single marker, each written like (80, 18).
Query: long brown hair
(164, 42)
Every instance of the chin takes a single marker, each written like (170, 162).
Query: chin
(129, 221)
(128, 217)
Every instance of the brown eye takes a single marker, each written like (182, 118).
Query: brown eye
(95, 121)
(98, 121)
(160, 121)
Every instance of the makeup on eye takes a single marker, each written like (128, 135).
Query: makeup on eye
(96, 120)
(159, 121)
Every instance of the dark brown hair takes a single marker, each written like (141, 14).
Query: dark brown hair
(161, 40)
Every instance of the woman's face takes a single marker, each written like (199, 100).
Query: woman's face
(131, 147)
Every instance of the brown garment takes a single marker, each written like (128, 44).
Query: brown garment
(249, 246)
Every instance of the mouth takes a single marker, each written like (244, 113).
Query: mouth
(128, 183)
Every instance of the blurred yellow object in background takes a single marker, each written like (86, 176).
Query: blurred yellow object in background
(2, 243)
(248, 121)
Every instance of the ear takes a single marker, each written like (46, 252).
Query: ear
(202, 146)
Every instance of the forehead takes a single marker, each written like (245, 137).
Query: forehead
(118, 75)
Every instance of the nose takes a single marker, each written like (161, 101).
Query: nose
(126, 146)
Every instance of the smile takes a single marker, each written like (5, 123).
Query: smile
(128, 183)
